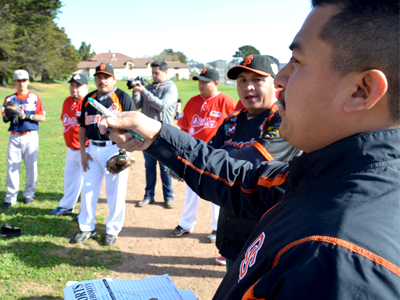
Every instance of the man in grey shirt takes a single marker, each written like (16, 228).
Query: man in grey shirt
(158, 101)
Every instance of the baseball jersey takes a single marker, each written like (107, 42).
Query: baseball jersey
(90, 117)
(255, 138)
(69, 116)
(202, 116)
(30, 104)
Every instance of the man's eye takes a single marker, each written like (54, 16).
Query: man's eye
(294, 60)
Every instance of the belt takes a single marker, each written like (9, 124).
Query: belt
(20, 133)
(103, 144)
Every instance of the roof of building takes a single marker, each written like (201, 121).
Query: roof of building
(119, 60)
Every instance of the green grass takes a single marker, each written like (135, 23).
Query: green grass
(38, 264)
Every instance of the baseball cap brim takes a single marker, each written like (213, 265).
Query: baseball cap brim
(236, 70)
(202, 78)
(98, 72)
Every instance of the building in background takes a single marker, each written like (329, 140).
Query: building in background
(126, 67)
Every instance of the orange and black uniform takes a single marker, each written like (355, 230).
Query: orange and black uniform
(254, 138)
(118, 101)
(333, 233)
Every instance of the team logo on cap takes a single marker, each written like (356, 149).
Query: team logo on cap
(275, 68)
(102, 67)
(248, 60)
(203, 71)
(77, 76)
(20, 74)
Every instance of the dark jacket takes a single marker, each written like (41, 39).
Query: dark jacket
(254, 138)
(334, 234)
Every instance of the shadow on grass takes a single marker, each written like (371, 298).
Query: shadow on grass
(49, 255)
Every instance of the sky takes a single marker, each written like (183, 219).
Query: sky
(204, 31)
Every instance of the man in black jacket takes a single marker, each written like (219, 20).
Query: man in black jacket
(333, 234)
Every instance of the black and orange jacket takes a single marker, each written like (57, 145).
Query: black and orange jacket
(254, 138)
(117, 102)
(333, 234)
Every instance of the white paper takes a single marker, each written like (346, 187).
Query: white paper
(159, 287)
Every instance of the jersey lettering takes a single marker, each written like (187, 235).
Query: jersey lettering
(92, 119)
(69, 122)
(198, 124)
(239, 145)
(251, 256)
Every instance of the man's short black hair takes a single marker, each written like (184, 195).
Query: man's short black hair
(162, 64)
(364, 35)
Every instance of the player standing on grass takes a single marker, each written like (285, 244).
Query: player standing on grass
(73, 172)
(24, 139)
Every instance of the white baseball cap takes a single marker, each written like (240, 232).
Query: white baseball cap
(20, 75)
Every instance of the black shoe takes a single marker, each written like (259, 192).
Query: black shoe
(169, 204)
(144, 202)
(84, 235)
(212, 237)
(28, 201)
(179, 231)
(6, 205)
(110, 239)
(61, 211)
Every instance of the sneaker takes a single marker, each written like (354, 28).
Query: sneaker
(221, 261)
(6, 205)
(29, 201)
(110, 239)
(179, 231)
(212, 237)
(61, 211)
(169, 204)
(144, 202)
(84, 235)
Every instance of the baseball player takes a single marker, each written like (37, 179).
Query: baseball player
(95, 156)
(201, 117)
(73, 172)
(250, 134)
(24, 139)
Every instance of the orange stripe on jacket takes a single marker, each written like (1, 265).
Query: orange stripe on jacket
(264, 152)
(336, 241)
(249, 295)
(274, 109)
(208, 173)
(93, 96)
(115, 99)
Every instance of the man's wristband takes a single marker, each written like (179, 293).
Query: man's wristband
(30, 117)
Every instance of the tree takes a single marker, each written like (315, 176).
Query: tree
(243, 52)
(85, 52)
(17, 19)
(170, 55)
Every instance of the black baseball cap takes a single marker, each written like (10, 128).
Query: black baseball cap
(265, 65)
(207, 75)
(104, 68)
(79, 78)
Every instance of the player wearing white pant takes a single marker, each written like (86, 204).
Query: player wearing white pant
(73, 171)
(201, 118)
(115, 189)
(188, 216)
(94, 158)
(24, 141)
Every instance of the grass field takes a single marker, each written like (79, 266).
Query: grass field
(38, 264)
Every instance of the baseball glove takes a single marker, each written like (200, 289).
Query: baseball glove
(12, 111)
(8, 230)
(119, 162)
(174, 175)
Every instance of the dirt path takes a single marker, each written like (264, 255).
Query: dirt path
(148, 250)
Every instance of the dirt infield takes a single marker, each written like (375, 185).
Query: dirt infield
(146, 245)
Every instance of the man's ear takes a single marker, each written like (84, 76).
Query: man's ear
(370, 86)
(216, 82)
